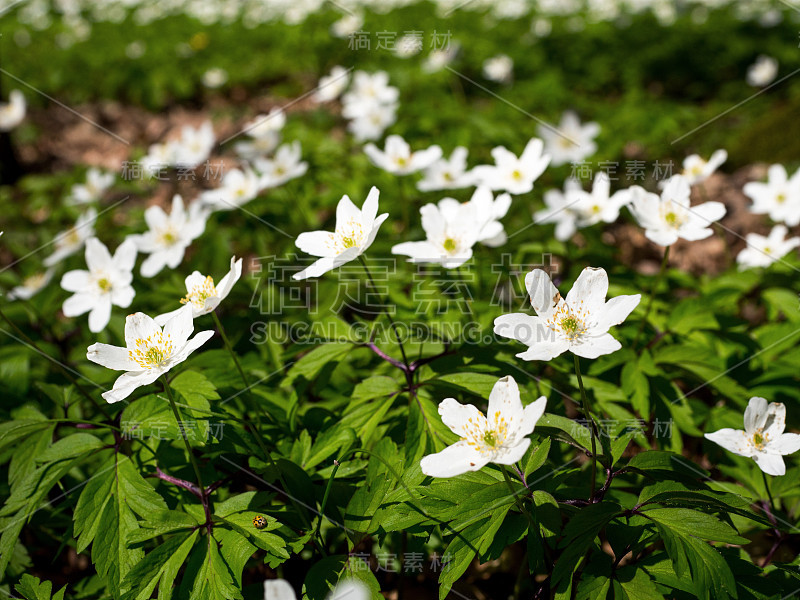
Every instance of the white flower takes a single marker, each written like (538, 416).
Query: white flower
(12, 113)
(150, 351)
(762, 251)
(72, 240)
(368, 89)
(488, 212)
(31, 286)
(346, 589)
(169, 235)
(408, 45)
(347, 25)
(215, 77)
(355, 231)
(501, 438)
(763, 439)
(371, 121)
(397, 157)
(438, 59)
(571, 142)
(265, 134)
(561, 209)
(237, 189)
(579, 323)
(331, 86)
(779, 197)
(762, 72)
(671, 216)
(106, 283)
(203, 295)
(447, 173)
(193, 147)
(696, 170)
(498, 68)
(512, 174)
(97, 182)
(286, 165)
(599, 204)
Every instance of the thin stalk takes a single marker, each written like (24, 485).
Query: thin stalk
(769, 493)
(587, 414)
(325, 499)
(391, 320)
(517, 499)
(179, 419)
(653, 291)
(229, 347)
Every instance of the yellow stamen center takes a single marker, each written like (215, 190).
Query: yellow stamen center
(449, 245)
(152, 351)
(104, 285)
(199, 293)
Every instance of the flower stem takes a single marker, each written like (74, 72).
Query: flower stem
(587, 414)
(325, 499)
(517, 499)
(179, 420)
(661, 272)
(769, 493)
(229, 347)
(383, 302)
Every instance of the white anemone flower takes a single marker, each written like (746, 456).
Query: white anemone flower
(169, 235)
(347, 25)
(238, 187)
(669, 217)
(346, 589)
(203, 295)
(561, 209)
(697, 170)
(97, 182)
(72, 240)
(498, 68)
(579, 323)
(31, 285)
(762, 72)
(264, 134)
(762, 251)
(599, 205)
(488, 211)
(779, 197)
(571, 141)
(12, 113)
(500, 436)
(368, 89)
(106, 283)
(150, 351)
(763, 438)
(331, 86)
(284, 166)
(397, 157)
(355, 231)
(447, 173)
(451, 230)
(511, 174)
(370, 121)
(193, 147)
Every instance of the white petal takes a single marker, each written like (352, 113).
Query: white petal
(100, 315)
(370, 208)
(544, 295)
(180, 327)
(524, 328)
(320, 267)
(512, 455)
(278, 589)
(453, 460)
(125, 255)
(350, 589)
(139, 326)
(162, 319)
(595, 345)
(545, 350)
(733, 440)
(504, 403)
(127, 383)
(787, 443)
(616, 311)
(589, 291)
(193, 344)
(532, 413)
(316, 243)
(75, 281)
(771, 464)
(111, 357)
(459, 417)
(78, 304)
(346, 211)
(98, 257)
(231, 277)
(122, 296)
(775, 422)
(755, 415)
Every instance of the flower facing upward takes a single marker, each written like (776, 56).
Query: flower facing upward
(447, 173)
(72, 240)
(762, 251)
(763, 439)
(265, 134)
(169, 235)
(285, 165)
(150, 351)
(201, 293)
(697, 170)
(571, 141)
(237, 189)
(106, 283)
(355, 231)
(579, 323)
(13, 113)
(97, 182)
(779, 197)
(512, 174)
(500, 436)
(599, 205)
(398, 158)
(667, 218)
(561, 209)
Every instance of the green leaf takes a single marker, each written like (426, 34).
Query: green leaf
(70, 447)
(159, 568)
(376, 386)
(208, 574)
(311, 364)
(33, 588)
(695, 523)
(537, 456)
(480, 384)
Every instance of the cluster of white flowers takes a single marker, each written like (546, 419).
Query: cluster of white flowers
(370, 105)
(190, 149)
